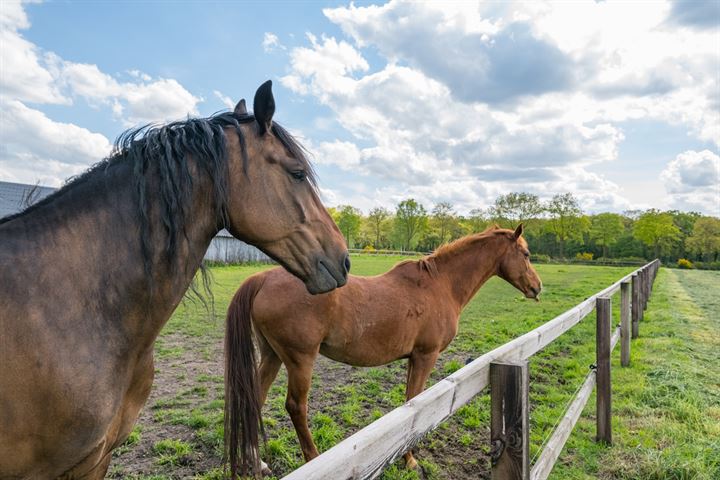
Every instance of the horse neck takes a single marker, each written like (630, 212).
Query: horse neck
(171, 276)
(465, 269)
(90, 235)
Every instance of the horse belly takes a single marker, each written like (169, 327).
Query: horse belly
(369, 345)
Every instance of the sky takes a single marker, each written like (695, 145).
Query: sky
(615, 102)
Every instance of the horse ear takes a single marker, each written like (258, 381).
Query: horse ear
(240, 108)
(264, 106)
(518, 231)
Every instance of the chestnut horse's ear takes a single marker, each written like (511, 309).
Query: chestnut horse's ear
(240, 108)
(264, 106)
(518, 231)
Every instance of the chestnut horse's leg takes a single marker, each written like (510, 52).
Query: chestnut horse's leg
(299, 368)
(269, 367)
(419, 367)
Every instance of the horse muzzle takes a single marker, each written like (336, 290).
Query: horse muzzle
(533, 292)
(328, 274)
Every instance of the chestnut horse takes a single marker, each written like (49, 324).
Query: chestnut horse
(89, 276)
(409, 312)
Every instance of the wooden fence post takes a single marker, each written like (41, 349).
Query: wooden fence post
(646, 288)
(635, 305)
(602, 355)
(641, 294)
(655, 268)
(625, 323)
(509, 421)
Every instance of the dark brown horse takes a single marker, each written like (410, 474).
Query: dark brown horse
(90, 275)
(409, 312)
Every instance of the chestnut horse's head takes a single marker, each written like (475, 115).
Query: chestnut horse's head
(273, 203)
(515, 266)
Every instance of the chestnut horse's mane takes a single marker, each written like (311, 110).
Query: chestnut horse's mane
(427, 263)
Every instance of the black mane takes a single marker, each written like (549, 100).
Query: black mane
(163, 149)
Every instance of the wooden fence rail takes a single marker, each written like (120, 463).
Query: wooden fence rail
(365, 454)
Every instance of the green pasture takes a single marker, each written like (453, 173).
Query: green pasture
(666, 406)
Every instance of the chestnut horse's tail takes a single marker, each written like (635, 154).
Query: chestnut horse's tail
(242, 391)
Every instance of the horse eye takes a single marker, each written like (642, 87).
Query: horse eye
(527, 254)
(298, 175)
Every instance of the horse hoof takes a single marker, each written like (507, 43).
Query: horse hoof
(265, 469)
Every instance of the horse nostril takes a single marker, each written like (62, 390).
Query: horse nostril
(347, 263)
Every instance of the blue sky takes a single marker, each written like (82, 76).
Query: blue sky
(616, 102)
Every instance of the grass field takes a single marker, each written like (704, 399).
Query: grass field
(666, 406)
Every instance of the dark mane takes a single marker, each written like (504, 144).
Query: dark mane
(163, 150)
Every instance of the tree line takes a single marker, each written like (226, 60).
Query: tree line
(557, 228)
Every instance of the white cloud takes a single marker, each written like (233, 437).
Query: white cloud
(480, 59)
(37, 148)
(691, 170)
(345, 155)
(422, 138)
(24, 69)
(33, 143)
(326, 64)
(692, 180)
(29, 74)
(146, 101)
(227, 101)
(475, 100)
(271, 42)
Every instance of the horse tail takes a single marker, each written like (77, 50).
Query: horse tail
(242, 392)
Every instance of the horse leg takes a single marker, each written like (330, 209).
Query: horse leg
(299, 377)
(269, 368)
(419, 367)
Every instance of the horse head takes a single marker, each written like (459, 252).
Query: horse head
(273, 200)
(515, 266)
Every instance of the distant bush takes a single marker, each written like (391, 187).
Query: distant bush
(707, 265)
(369, 249)
(685, 263)
(587, 256)
(540, 258)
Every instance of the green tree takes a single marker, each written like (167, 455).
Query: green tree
(348, 222)
(477, 220)
(705, 238)
(410, 221)
(685, 222)
(516, 207)
(566, 221)
(376, 220)
(605, 229)
(656, 230)
(444, 219)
